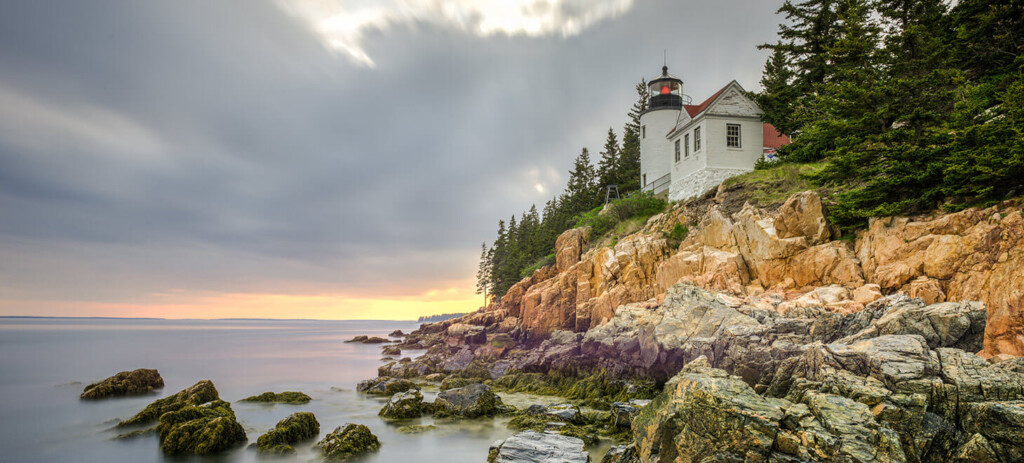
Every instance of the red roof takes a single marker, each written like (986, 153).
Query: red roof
(694, 110)
(774, 139)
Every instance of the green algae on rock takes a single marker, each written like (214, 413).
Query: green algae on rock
(287, 397)
(199, 393)
(404, 405)
(385, 386)
(391, 350)
(295, 428)
(415, 428)
(133, 382)
(472, 401)
(200, 430)
(344, 444)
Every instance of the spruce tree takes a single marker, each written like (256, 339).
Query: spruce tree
(779, 95)
(607, 167)
(483, 272)
(580, 192)
(628, 166)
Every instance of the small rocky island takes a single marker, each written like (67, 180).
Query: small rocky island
(125, 383)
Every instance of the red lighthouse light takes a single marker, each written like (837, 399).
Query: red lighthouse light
(664, 90)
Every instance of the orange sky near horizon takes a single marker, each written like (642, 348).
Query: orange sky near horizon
(185, 305)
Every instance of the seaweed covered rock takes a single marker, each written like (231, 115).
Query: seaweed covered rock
(200, 430)
(624, 412)
(363, 339)
(538, 447)
(566, 412)
(396, 334)
(133, 382)
(385, 386)
(287, 397)
(621, 454)
(198, 394)
(471, 401)
(347, 443)
(295, 428)
(708, 415)
(391, 350)
(404, 405)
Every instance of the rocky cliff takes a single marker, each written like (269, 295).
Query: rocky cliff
(782, 259)
(769, 339)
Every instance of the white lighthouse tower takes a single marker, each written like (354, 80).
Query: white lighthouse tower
(656, 152)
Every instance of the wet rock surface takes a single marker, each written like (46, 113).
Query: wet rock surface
(287, 397)
(471, 401)
(385, 386)
(289, 431)
(200, 430)
(125, 383)
(348, 443)
(538, 447)
(404, 405)
(202, 392)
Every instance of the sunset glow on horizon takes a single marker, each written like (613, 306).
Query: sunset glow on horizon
(188, 305)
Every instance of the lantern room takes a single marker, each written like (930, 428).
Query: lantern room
(666, 91)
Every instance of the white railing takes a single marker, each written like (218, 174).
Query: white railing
(659, 185)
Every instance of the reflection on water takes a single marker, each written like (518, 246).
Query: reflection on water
(45, 364)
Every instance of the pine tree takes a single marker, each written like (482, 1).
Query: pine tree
(483, 272)
(804, 38)
(628, 166)
(989, 38)
(607, 172)
(580, 193)
(779, 95)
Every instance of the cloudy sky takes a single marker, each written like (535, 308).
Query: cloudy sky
(311, 158)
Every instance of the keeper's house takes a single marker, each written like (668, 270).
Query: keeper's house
(686, 149)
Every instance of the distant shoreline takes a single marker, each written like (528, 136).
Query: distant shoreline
(41, 317)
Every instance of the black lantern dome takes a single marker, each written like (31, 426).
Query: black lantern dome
(666, 91)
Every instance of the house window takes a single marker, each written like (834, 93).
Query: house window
(686, 144)
(677, 150)
(696, 139)
(644, 179)
(643, 131)
(732, 135)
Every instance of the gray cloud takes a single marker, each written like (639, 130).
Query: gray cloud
(219, 146)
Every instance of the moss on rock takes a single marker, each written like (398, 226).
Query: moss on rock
(287, 397)
(453, 382)
(295, 428)
(346, 443)
(199, 393)
(404, 405)
(133, 382)
(200, 430)
(472, 401)
(415, 428)
(385, 386)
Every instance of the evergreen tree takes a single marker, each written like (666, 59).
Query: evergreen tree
(581, 193)
(989, 38)
(483, 272)
(779, 95)
(628, 166)
(607, 167)
(846, 104)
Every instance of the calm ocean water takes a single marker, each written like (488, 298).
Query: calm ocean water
(45, 363)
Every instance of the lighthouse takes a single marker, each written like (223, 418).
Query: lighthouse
(666, 100)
